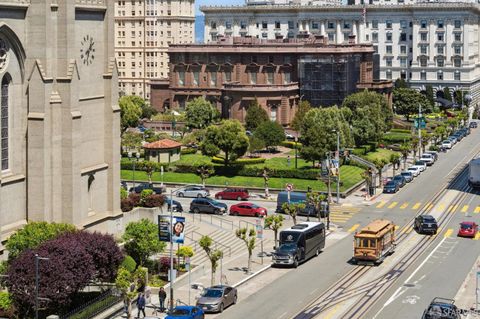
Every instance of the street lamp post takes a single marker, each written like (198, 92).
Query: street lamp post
(37, 279)
(337, 158)
(296, 141)
(135, 158)
(171, 251)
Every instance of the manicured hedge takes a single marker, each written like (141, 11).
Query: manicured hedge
(396, 137)
(127, 164)
(399, 130)
(241, 161)
(185, 151)
(291, 144)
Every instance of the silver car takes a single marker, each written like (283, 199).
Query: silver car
(217, 298)
(193, 191)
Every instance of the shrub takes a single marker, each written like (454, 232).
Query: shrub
(154, 200)
(240, 161)
(135, 198)
(164, 264)
(434, 148)
(291, 144)
(144, 194)
(126, 205)
(123, 193)
(156, 281)
(399, 130)
(5, 300)
(127, 164)
(141, 240)
(129, 263)
(186, 151)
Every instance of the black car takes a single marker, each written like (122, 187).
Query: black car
(140, 187)
(442, 308)
(473, 125)
(123, 185)
(426, 224)
(400, 180)
(391, 187)
(177, 207)
(207, 205)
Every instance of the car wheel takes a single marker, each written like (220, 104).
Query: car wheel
(235, 214)
(239, 198)
(317, 252)
(221, 308)
(257, 215)
(219, 197)
(196, 210)
(295, 263)
(216, 211)
(235, 299)
(199, 196)
(180, 195)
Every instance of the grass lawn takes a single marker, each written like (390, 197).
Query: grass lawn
(193, 159)
(380, 153)
(350, 175)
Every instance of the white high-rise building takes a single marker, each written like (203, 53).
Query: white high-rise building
(292, 2)
(427, 43)
(143, 31)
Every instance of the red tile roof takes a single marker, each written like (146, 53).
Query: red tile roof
(162, 144)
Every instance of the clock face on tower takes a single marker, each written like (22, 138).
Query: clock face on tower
(87, 51)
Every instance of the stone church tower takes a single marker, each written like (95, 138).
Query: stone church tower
(60, 121)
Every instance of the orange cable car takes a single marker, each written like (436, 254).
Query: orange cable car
(374, 242)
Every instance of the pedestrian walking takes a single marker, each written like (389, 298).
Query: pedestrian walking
(141, 305)
(162, 295)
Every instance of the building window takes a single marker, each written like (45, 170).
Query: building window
(440, 62)
(423, 49)
(375, 37)
(403, 36)
(456, 75)
(269, 77)
(345, 36)
(439, 75)
(291, 25)
(440, 37)
(196, 78)
(457, 62)
(423, 24)
(388, 61)
(423, 37)
(388, 49)
(277, 24)
(253, 77)
(287, 79)
(458, 50)
(440, 24)
(403, 24)
(403, 62)
(346, 25)
(4, 121)
(213, 25)
(457, 24)
(228, 25)
(403, 49)
(213, 78)
(273, 114)
(388, 75)
(243, 25)
(440, 50)
(458, 37)
(423, 62)
(228, 76)
(331, 37)
(374, 24)
(264, 25)
(314, 25)
(181, 78)
(331, 25)
(388, 24)
(423, 75)
(389, 37)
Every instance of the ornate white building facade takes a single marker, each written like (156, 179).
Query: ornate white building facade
(433, 44)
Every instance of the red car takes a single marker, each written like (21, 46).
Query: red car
(247, 209)
(467, 229)
(233, 193)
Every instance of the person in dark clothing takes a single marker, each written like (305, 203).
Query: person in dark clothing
(162, 295)
(141, 305)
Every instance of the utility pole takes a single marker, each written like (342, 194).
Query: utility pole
(171, 251)
(419, 123)
(37, 282)
(337, 158)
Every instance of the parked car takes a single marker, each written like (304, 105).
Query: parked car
(427, 158)
(140, 187)
(452, 139)
(458, 135)
(177, 207)
(233, 193)
(408, 176)
(447, 144)
(441, 308)
(207, 205)
(186, 312)
(247, 209)
(295, 197)
(415, 170)
(421, 164)
(124, 185)
(217, 298)
(391, 187)
(473, 125)
(425, 224)
(289, 136)
(400, 180)
(193, 191)
(433, 153)
(467, 229)
(249, 133)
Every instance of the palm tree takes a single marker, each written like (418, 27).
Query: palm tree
(405, 150)
(395, 160)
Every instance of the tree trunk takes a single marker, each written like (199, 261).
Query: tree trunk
(294, 219)
(212, 279)
(226, 159)
(249, 261)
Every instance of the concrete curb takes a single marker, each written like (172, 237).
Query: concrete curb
(241, 282)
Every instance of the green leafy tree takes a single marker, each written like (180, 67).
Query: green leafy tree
(429, 95)
(200, 113)
(205, 171)
(123, 193)
(229, 137)
(249, 237)
(274, 222)
(255, 116)
(292, 209)
(400, 84)
(426, 137)
(446, 94)
(131, 141)
(315, 199)
(255, 144)
(184, 252)
(214, 255)
(141, 240)
(318, 133)
(379, 165)
(439, 133)
(149, 168)
(414, 145)
(34, 234)
(271, 133)
(395, 160)
(405, 149)
(128, 283)
(406, 102)
(303, 109)
(130, 112)
(148, 111)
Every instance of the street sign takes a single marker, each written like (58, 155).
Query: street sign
(187, 263)
(420, 121)
(259, 228)
(289, 187)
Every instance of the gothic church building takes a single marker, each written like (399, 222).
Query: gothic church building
(60, 120)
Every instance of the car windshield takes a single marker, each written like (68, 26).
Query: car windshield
(213, 293)
(390, 184)
(287, 247)
(412, 168)
(179, 312)
(446, 142)
(255, 206)
(214, 202)
(406, 173)
(466, 226)
(398, 178)
(419, 163)
(429, 219)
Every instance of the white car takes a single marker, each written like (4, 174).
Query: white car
(421, 164)
(428, 159)
(415, 170)
(447, 144)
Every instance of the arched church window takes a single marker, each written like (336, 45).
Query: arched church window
(4, 121)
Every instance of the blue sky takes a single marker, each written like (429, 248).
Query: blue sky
(199, 3)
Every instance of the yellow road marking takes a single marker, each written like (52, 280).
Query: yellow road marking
(452, 208)
(477, 210)
(381, 204)
(416, 206)
(430, 206)
(392, 205)
(333, 311)
(353, 228)
(404, 206)
(441, 206)
(477, 236)
(465, 209)
(409, 229)
(448, 233)
(397, 227)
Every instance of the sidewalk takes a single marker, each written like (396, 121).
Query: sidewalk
(465, 298)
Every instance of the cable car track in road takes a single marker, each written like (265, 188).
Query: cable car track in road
(343, 289)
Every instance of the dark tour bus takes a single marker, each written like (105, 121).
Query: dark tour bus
(299, 243)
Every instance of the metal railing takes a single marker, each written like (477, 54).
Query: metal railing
(247, 224)
(215, 220)
(95, 306)
(216, 245)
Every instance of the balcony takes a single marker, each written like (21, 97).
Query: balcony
(238, 87)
